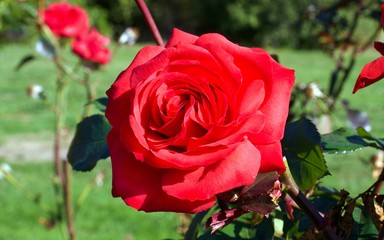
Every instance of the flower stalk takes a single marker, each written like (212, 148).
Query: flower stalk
(90, 93)
(305, 205)
(149, 19)
(62, 172)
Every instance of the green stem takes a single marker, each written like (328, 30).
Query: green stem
(89, 92)
(305, 205)
(62, 171)
(68, 200)
(57, 163)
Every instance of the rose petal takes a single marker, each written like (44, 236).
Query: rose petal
(218, 46)
(258, 64)
(205, 183)
(272, 158)
(276, 103)
(168, 157)
(139, 185)
(234, 132)
(118, 95)
(251, 96)
(371, 73)
(179, 36)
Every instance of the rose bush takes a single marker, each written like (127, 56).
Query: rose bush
(91, 46)
(193, 119)
(65, 20)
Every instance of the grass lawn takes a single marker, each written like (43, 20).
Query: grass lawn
(101, 216)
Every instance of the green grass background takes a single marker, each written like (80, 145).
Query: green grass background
(101, 216)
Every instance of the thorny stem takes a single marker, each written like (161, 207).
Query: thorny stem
(306, 206)
(152, 25)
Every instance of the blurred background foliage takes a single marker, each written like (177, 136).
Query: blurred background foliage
(282, 23)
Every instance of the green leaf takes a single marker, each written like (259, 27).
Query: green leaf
(342, 141)
(89, 144)
(195, 225)
(100, 103)
(302, 148)
(363, 228)
(374, 142)
(24, 60)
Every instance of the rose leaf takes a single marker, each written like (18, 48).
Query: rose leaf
(263, 184)
(262, 204)
(100, 103)
(223, 218)
(302, 148)
(45, 48)
(89, 144)
(373, 141)
(244, 227)
(364, 228)
(341, 141)
(26, 59)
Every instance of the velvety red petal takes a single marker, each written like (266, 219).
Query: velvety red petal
(201, 156)
(239, 168)
(371, 73)
(251, 96)
(139, 185)
(118, 95)
(220, 48)
(257, 64)
(276, 102)
(179, 36)
(272, 158)
(227, 135)
(168, 158)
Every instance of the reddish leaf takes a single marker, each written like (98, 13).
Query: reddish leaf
(259, 204)
(223, 218)
(263, 184)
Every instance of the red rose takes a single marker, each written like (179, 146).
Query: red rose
(65, 20)
(92, 46)
(195, 118)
